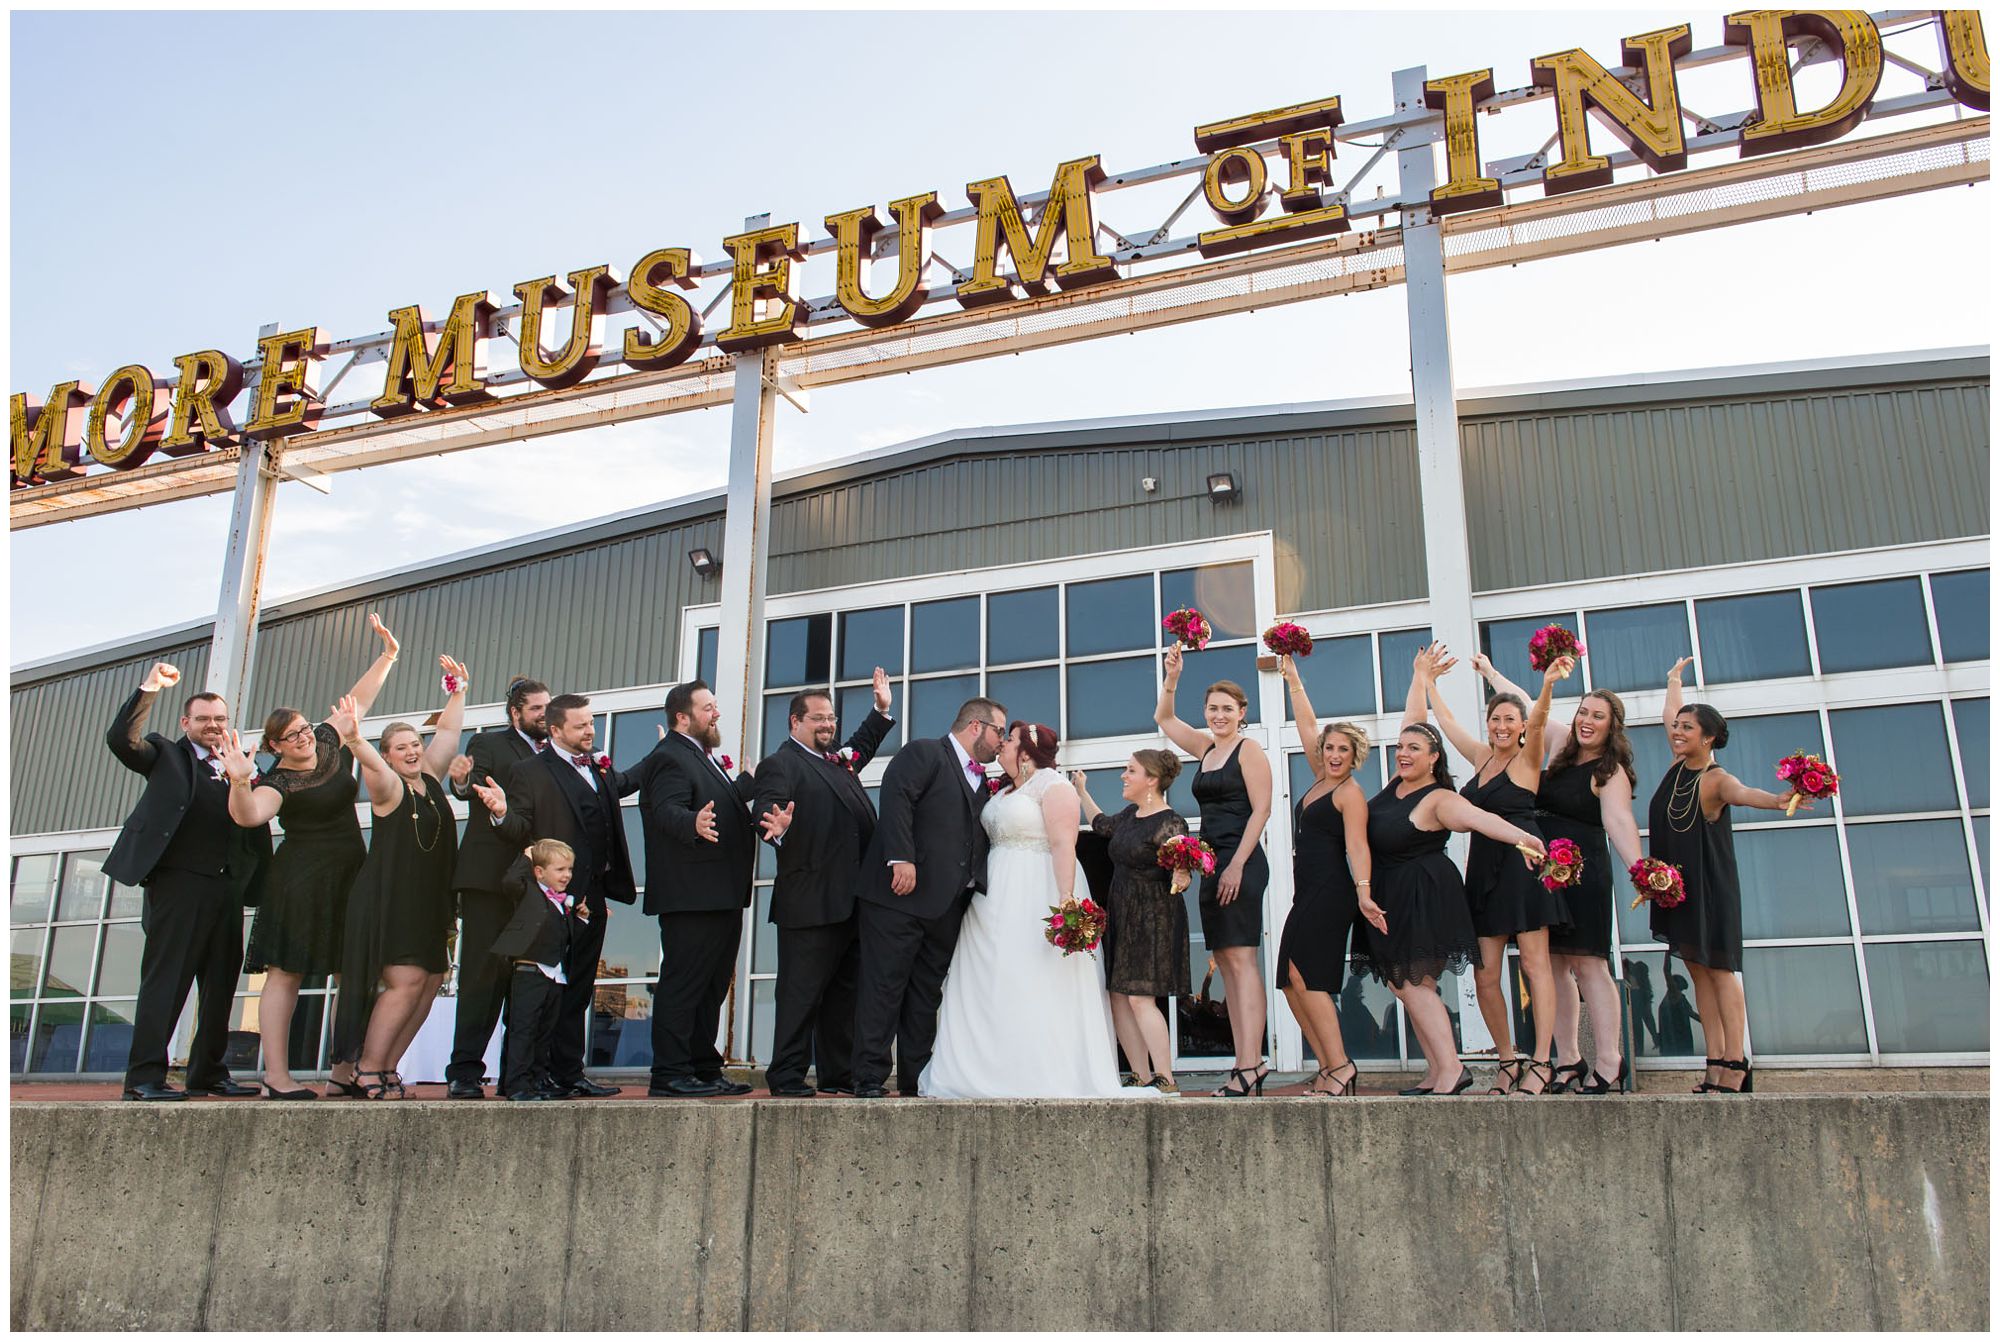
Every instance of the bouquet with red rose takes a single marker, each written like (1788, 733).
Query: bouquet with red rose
(1075, 925)
(1551, 642)
(1189, 628)
(1658, 881)
(1563, 867)
(993, 785)
(1288, 640)
(1811, 780)
(1184, 852)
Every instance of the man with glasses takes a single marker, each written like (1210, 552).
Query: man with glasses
(926, 859)
(812, 808)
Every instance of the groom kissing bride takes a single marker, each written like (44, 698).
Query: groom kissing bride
(954, 893)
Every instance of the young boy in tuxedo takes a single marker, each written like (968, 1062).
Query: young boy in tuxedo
(545, 919)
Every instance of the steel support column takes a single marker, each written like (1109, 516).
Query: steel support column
(233, 649)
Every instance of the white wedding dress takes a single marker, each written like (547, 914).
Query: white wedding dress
(1021, 1020)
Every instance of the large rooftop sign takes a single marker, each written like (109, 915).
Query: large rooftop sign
(1266, 181)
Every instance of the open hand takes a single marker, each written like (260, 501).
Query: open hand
(777, 820)
(881, 688)
(451, 666)
(492, 796)
(704, 823)
(345, 719)
(237, 766)
(1373, 913)
(1674, 675)
(390, 647)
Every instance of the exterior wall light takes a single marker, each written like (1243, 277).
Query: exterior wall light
(705, 564)
(1222, 488)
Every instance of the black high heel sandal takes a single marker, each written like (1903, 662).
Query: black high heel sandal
(1706, 1085)
(1339, 1087)
(1599, 1084)
(1506, 1077)
(1464, 1083)
(347, 1090)
(1541, 1069)
(1735, 1065)
(1251, 1080)
(1570, 1075)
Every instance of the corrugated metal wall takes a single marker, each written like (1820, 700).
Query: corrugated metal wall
(1563, 497)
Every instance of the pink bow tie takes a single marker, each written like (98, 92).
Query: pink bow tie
(973, 767)
(580, 761)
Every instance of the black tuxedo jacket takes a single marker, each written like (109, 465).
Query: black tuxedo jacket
(930, 817)
(832, 823)
(545, 800)
(685, 873)
(168, 767)
(483, 859)
(538, 930)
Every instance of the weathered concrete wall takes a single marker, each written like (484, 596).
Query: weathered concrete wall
(1864, 1212)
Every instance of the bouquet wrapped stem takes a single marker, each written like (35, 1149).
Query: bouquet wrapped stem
(1809, 777)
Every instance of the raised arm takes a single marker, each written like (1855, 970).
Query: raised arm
(1526, 766)
(1673, 708)
(1614, 800)
(1554, 737)
(249, 806)
(1091, 810)
(127, 736)
(1464, 742)
(1187, 738)
(1303, 720)
(385, 789)
(1060, 813)
(443, 748)
(365, 689)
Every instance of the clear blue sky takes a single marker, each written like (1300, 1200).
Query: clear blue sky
(179, 180)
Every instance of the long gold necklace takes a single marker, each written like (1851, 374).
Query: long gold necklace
(1683, 806)
(416, 826)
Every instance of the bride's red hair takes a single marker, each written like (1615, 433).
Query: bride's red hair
(1037, 742)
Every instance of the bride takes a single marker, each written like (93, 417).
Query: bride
(1020, 1019)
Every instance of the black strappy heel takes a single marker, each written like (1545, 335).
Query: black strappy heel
(1509, 1073)
(1570, 1076)
(1735, 1065)
(1541, 1069)
(1339, 1087)
(1251, 1080)
(1706, 1085)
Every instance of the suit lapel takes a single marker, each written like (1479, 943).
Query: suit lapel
(575, 791)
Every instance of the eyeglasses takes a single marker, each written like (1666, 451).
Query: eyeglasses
(821, 719)
(299, 733)
(993, 727)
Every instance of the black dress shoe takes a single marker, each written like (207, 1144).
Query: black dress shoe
(154, 1090)
(796, 1090)
(870, 1093)
(466, 1090)
(533, 1095)
(584, 1088)
(724, 1086)
(684, 1087)
(227, 1088)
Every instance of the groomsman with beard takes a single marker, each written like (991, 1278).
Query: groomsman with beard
(925, 862)
(484, 908)
(700, 852)
(569, 794)
(815, 812)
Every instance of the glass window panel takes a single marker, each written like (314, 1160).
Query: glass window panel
(17, 1047)
(1367, 1012)
(1224, 593)
(1300, 774)
(1791, 882)
(1021, 626)
(777, 719)
(1756, 637)
(26, 955)
(1963, 615)
(763, 1017)
(767, 861)
(798, 651)
(1803, 999)
(621, 1025)
(934, 703)
(1929, 996)
(1651, 758)
(1104, 783)
(704, 654)
(68, 970)
(1112, 698)
(1971, 719)
(1447, 989)
(875, 797)
(1756, 744)
(854, 703)
(118, 966)
(109, 1045)
(1369, 776)
(1893, 759)
(34, 888)
(635, 843)
(81, 894)
(1912, 876)
(1981, 837)
(1203, 1031)
(1180, 794)
(1034, 695)
(243, 976)
(1339, 676)
(871, 638)
(58, 1037)
(1506, 643)
(1864, 626)
(634, 734)
(1201, 669)
(1632, 647)
(129, 901)
(944, 635)
(1665, 1020)
(764, 933)
(1109, 616)
(631, 944)
(1398, 650)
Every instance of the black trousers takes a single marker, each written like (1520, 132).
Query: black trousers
(534, 1000)
(482, 981)
(697, 957)
(580, 968)
(818, 968)
(903, 964)
(194, 937)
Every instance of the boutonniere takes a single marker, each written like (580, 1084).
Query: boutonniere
(993, 785)
(603, 763)
(846, 757)
(728, 764)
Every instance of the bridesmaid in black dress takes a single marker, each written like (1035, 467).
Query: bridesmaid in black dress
(1509, 902)
(399, 917)
(1146, 909)
(302, 915)
(1688, 824)
(1233, 786)
(1421, 893)
(1330, 886)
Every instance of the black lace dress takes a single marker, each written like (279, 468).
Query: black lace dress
(1148, 919)
(1421, 894)
(1569, 809)
(302, 917)
(1505, 895)
(1225, 813)
(1319, 931)
(401, 910)
(1707, 927)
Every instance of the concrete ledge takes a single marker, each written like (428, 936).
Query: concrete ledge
(1647, 1212)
